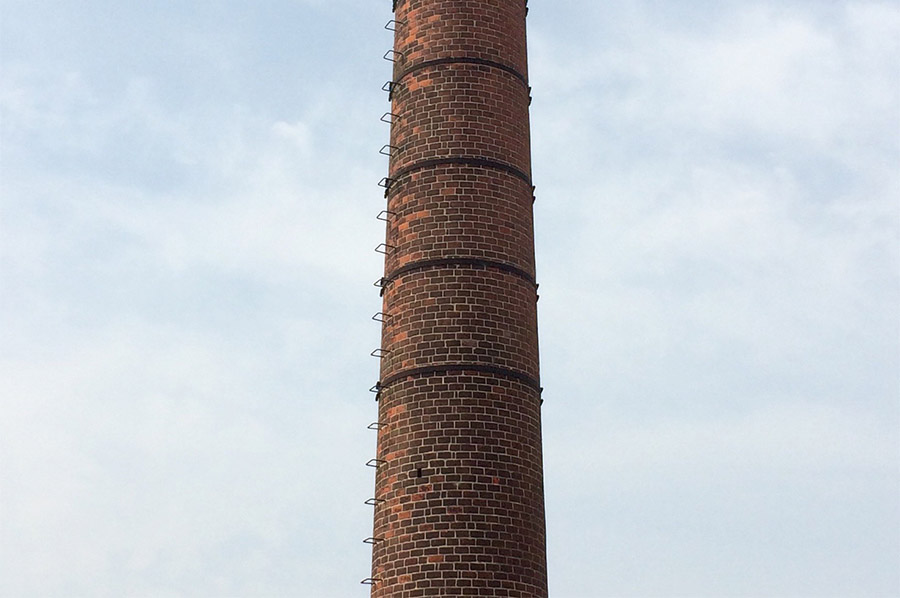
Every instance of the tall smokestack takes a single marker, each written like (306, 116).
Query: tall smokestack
(459, 499)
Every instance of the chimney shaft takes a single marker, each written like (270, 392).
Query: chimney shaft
(459, 501)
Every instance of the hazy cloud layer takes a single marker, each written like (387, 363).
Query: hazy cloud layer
(186, 233)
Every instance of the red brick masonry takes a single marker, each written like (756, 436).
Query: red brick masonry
(459, 507)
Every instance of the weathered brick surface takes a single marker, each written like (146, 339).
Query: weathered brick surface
(463, 511)
(467, 314)
(485, 29)
(459, 211)
(459, 486)
(461, 110)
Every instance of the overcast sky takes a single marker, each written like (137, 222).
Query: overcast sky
(187, 228)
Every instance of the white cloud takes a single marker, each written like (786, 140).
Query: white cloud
(161, 457)
(717, 232)
(183, 285)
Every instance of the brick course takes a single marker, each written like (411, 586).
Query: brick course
(459, 505)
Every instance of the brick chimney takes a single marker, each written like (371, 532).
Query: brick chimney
(459, 499)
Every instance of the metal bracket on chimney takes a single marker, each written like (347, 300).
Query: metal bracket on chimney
(386, 183)
(390, 150)
(381, 283)
(375, 462)
(383, 215)
(393, 56)
(370, 581)
(372, 541)
(389, 117)
(377, 390)
(392, 25)
(389, 87)
(374, 502)
(384, 248)
(379, 353)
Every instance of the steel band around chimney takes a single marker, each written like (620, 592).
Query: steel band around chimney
(464, 60)
(460, 161)
(470, 367)
(446, 262)
(394, 4)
